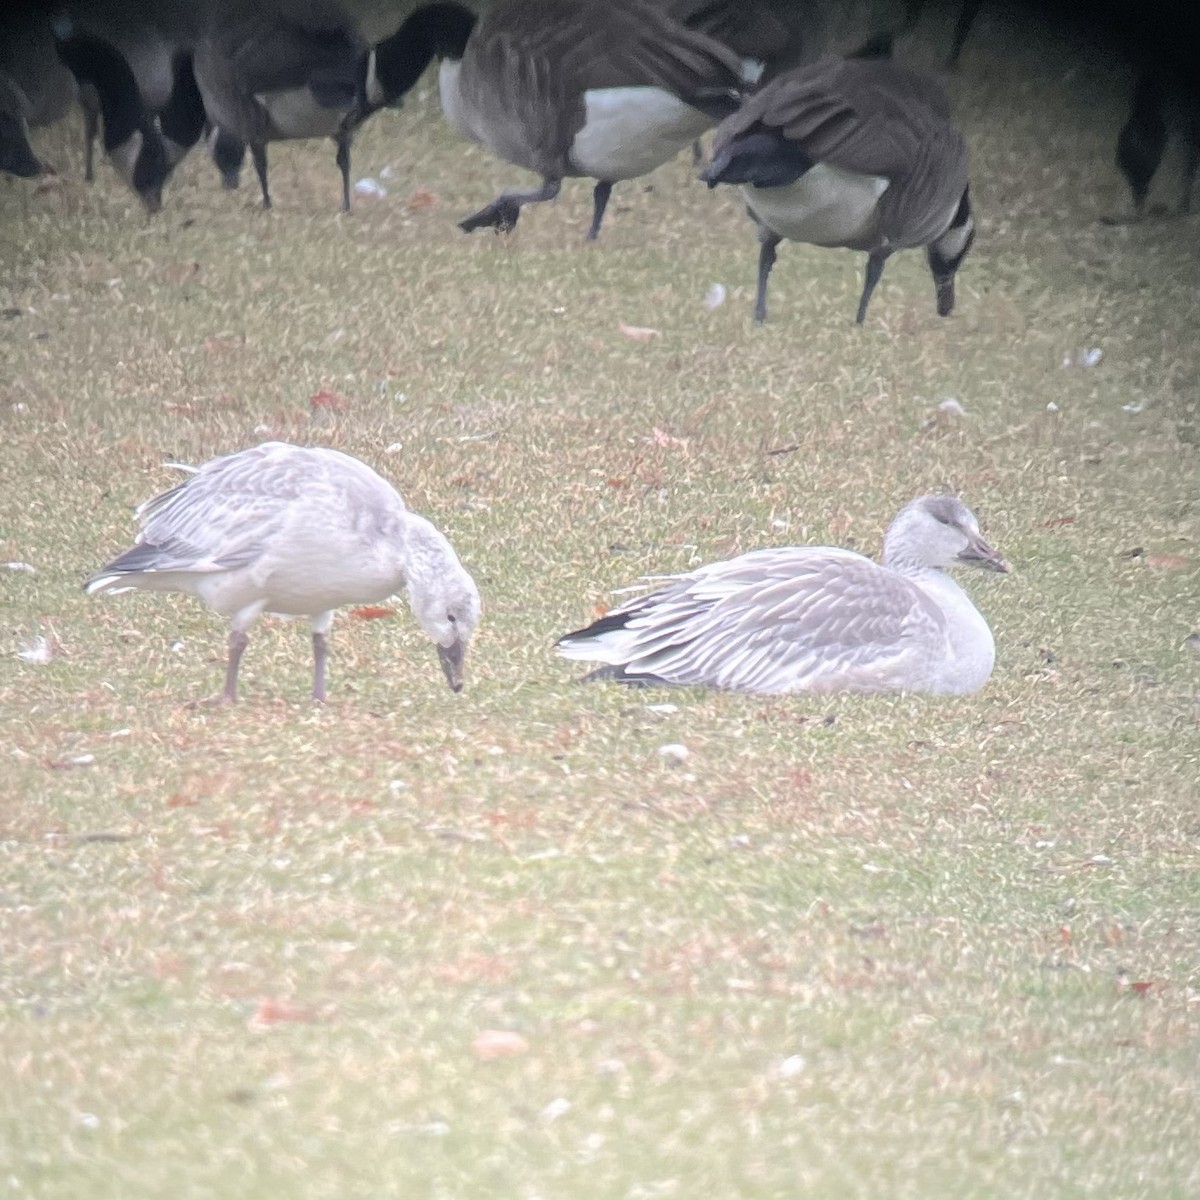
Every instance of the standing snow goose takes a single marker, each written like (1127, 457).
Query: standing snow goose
(300, 531)
(857, 152)
(602, 89)
(812, 618)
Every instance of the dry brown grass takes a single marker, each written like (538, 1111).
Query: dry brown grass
(850, 947)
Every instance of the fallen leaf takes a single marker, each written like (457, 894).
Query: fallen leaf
(420, 200)
(662, 438)
(639, 333)
(330, 401)
(371, 612)
(1055, 522)
(1167, 562)
(179, 800)
(498, 1043)
(272, 1012)
(600, 610)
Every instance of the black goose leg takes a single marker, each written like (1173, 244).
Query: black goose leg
(91, 130)
(503, 212)
(320, 658)
(1143, 138)
(343, 161)
(766, 260)
(600, 195)
(238, 641)
(875, 263)
(1191, 163)
(259, 154)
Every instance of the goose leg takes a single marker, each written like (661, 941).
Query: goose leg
(343, 161)
(766, 260)
(91, 129)
(238, 641)
(600, 195)
(1190, 165)
(503, 212)
(875, 263)
(320, 658)
(259, 154)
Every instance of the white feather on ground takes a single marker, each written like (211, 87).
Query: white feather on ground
(300, 531)
(812, 618)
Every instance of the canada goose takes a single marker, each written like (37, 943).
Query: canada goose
(393, 65)
(605, 89)
(812, 618)
(143, 148)
(278, 72)
(16, 154)
(35, 89)
(769, 36)
(297, 530)
(1161, 43)
(851, 152)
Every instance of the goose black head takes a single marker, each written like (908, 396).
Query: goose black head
(946, 253)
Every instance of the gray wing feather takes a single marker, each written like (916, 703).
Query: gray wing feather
(782, 620)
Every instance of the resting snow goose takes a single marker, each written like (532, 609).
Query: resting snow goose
(603, 89)
(857, 152)
(812, 618)
(300, 531)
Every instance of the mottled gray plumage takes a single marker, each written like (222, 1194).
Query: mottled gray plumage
(812, 618)
(301, 531)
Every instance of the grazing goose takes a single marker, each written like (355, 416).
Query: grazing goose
(603, 89)
(35, 90)
(143, 148)
(301, 531)
(813, 618)
(276, 72)
(851, 152)
(16, 153)
(394, 65)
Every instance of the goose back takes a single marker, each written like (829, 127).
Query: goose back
(869, 118)
(532, 68)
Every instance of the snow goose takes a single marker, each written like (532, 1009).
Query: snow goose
(603, 89)
(300, 531)
(812, 618)
(857, 152)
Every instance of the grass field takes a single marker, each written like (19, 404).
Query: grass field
(415, 944)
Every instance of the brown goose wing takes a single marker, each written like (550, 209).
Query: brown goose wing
(529, 64)
(872, 117)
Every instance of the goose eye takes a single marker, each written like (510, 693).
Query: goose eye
(452, 618)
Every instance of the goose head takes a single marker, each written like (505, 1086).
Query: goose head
(938, 532)
(438, 30)
(946, 253)
(442, 596)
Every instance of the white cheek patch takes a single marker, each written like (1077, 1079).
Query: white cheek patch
(375, 94)
(124, 157)
(954, 241)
